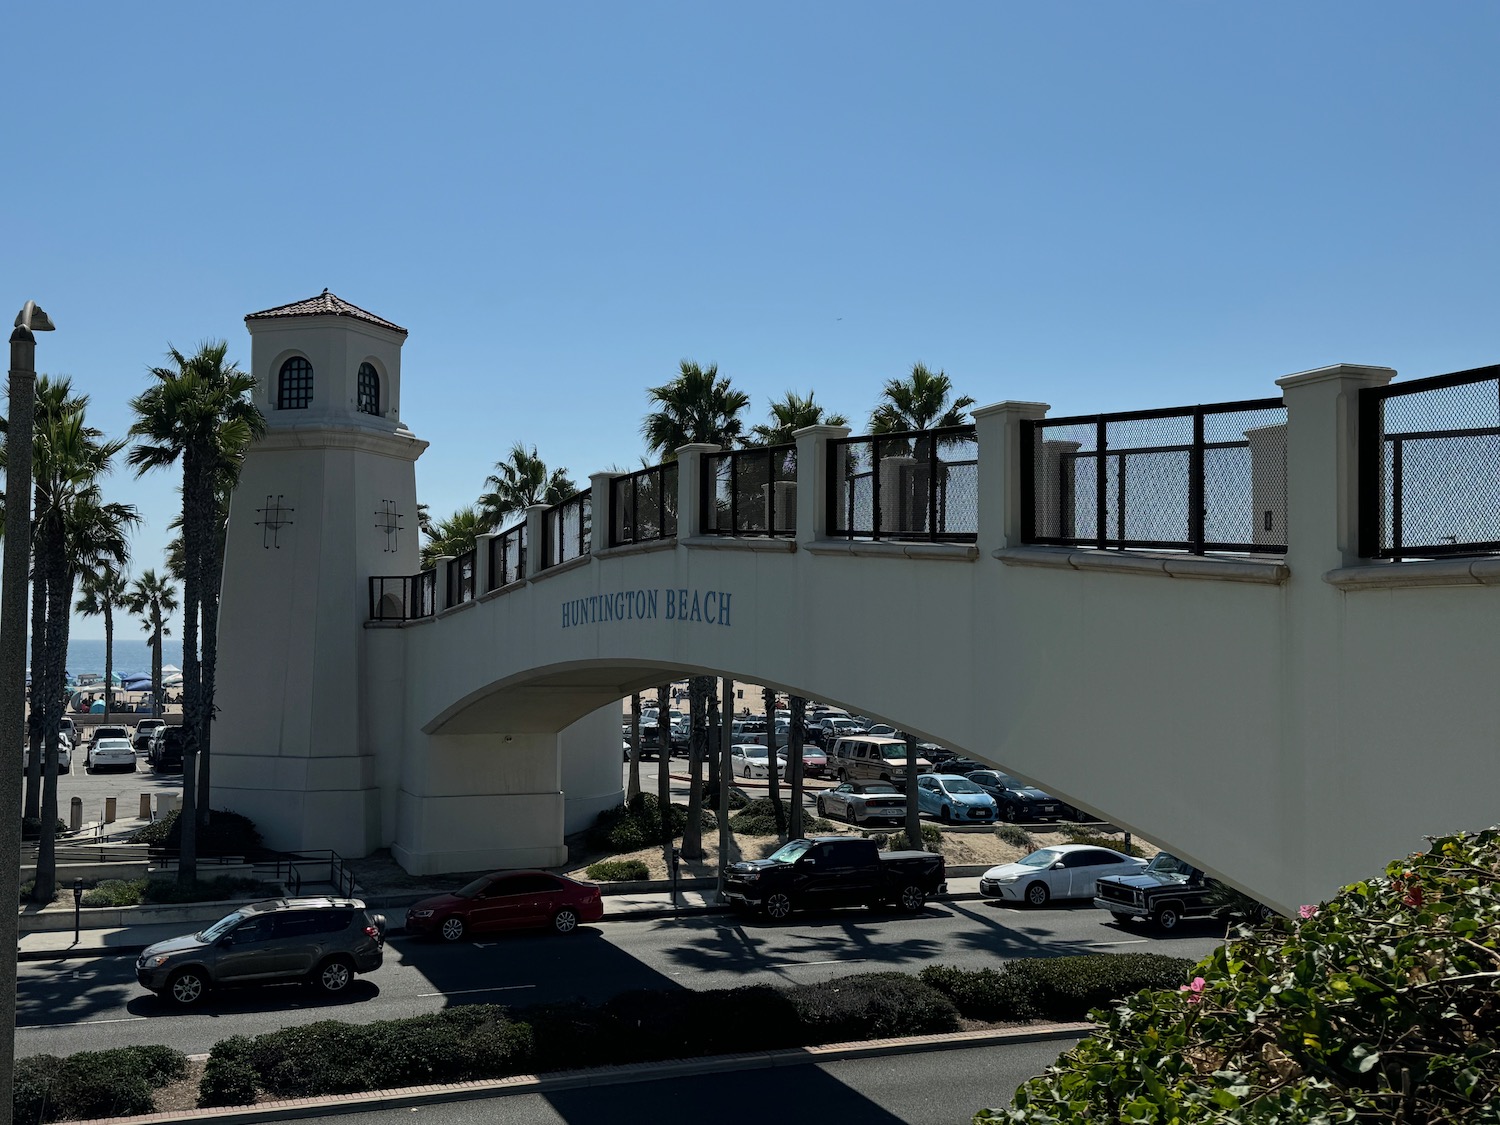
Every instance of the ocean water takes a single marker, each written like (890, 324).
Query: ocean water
(132, 654)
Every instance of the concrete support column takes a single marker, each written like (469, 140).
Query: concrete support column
(997, 429)
(536, 539)
(441, 595)
(690, 489)
(484, 579)
(601, 494)
(813, 480)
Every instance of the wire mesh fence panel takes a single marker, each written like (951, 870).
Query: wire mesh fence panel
(1430, 466)
(569, 525)
(643, 505)
(751, 491)
(461, 575)
(403, 597)
(508, 557)
(424, 591)
(921, 484)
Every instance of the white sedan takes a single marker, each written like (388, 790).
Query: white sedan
(110, 753)
(746, 760)
(1062, 871)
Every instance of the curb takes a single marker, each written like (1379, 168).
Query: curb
(292, 1109)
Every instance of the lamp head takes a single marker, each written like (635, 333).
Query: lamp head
(33, 319)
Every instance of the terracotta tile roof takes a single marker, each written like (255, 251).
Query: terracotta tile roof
(325, 304)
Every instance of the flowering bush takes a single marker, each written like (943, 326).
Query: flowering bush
(1382, 1005)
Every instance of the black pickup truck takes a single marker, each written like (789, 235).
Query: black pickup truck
(1168, 891)
(834, 871)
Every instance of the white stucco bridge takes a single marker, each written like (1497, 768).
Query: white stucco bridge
(1264, 634)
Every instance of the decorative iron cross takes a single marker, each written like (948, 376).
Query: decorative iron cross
(388, 520)
(273, 518)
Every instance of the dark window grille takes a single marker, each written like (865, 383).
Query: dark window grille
(751, 492)
(917, 485)
(1191, 478)
(568, 526)
(461, 577)
(294, 387)
(403, 598)
(1429, 472)
(508, 557)
(368, 396)
(643, 505)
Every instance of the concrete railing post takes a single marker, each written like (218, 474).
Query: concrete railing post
(997, 430)
(75, 814)
(536, 539)
(813, 481)
(601, 490)
(109, 810)
(484, 581)
(145, 807)
(690, 489)
(440, 596)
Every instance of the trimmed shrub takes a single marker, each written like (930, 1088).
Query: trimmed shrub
(1080, 834)
(870, 1006)
(228, 1076)
(932, 840)
(992, 995)
(758, 818)
(1056, 988)
(228, 833)
(208, 890)
(618, 870)
(570, 1034)
(632, 826)
(114, 1083)
(115, 892)
(1016, 836)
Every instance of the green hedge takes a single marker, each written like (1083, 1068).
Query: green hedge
(1081, 834)
(618, 870)
(228, 833)
(114, 1083)
(932, 840)
(134, 892)
(1054, 988)
(632, 826)
(758, 818)
(1016, 836)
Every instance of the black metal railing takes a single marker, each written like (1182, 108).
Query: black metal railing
(751, 492)
(567, 527)
(1429, 466)
(508, 557)
(643, 505)
(921, 484)
(463, 578)
(404, 597)
(1191, 478)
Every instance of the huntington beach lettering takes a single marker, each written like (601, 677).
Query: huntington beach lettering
(707, 607)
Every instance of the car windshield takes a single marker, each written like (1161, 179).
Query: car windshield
(753, 751)
(471, 889)
(963, 785)
(878, 788)
(1044, 858)
(894, 751)
(1169, 866)
(221, 927)
(791, 853)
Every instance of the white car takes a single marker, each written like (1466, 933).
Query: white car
(110, 753)
(141, 737)
(1063, 871)
(747, 760)
(64, 755)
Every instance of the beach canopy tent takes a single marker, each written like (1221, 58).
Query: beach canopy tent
(137, 683)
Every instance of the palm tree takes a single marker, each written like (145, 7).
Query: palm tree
(101, 592)
(517, 483)
(198, 410)
(697, 406)
(154, 598)
(919, 403)
(790, 414)
(453, 536)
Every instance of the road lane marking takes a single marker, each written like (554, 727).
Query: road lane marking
(468, 991)
(1129, 941)
(75, 1023)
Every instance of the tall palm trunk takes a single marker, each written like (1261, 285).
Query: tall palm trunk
(109, 655)
(58, 597)
(213, 580)
(156, 631)
(711, 751)
(720, 750)
(38, 679)
(664, 773)
(913, 810)
(773, 775)
(633, 785)
(692, 832)
(192, 605)
(797, 708)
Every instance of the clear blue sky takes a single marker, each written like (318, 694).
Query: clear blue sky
(1100, 206)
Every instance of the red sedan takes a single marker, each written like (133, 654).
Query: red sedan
(507, 900)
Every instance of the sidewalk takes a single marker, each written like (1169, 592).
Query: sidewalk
(637, 906)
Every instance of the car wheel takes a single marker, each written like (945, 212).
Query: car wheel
(912, 898)
(334, 975)
(821, 807)
(1264, 913)
(452, 928)
(1011, 814)
(1167, 918)
(843, 775)
(849, 815)
(186, 987)
(778, 906)
(1037, 894)
(565, 921)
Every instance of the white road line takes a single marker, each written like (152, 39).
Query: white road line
(468, 991)
(832, 961)
(75, 1023)
(1130, 941)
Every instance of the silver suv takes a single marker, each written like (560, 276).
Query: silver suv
(321, 941)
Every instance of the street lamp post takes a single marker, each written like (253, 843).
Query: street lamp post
(13, 603)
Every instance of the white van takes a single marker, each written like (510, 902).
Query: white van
(870, 757)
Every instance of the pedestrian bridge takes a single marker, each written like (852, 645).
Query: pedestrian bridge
(1236, 630)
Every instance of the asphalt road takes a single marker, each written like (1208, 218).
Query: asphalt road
(67, 1006)
(936, 1088)
(124, 785)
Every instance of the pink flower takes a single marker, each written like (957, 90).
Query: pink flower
(1306, 911)
(1196, 988)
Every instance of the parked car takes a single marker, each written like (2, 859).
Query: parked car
(834, 871)
(140, 738)
(322, 941)
(860, 802)
(814, 761)
(64, 756)
(951, 798)
(960, 765)
(507, 900)
(750, 760)
(1017, 800)
(1166, 891)
(829, 729)
(66, 729)
(109, 753)
(165, 755)
(1062, 872)
(883, 728)
(871, 757)
(110, 731)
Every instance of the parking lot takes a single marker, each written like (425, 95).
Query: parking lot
(124, 785)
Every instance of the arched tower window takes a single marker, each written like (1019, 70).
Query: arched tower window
(294, 390)
(368, 401)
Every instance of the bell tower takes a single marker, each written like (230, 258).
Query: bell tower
(325, 500)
